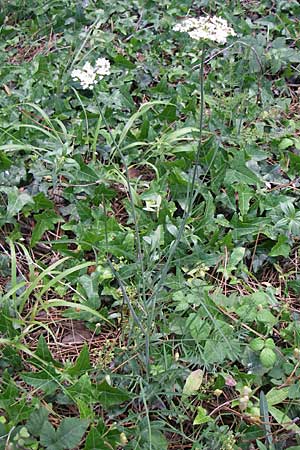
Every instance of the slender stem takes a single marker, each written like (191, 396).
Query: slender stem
(95, 138)
(201, 120)
(190, 193)
(138, 243)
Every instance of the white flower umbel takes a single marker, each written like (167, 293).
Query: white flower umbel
(102, 67)
(89, 75)
(213, 28)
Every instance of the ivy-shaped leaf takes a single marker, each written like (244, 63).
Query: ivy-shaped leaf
(67, 436)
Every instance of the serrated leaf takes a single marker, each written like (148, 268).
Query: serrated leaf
(70, 432)
(193, 382)
(67, 436)
(37, 420)
(48, 437)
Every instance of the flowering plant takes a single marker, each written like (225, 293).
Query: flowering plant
(213, 28)
(89, 75)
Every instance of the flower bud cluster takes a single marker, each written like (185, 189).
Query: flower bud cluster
(213, 28)
(89, 75)
(244, 398)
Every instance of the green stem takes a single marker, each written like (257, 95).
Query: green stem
(201, 120)
(190, 193)
(95, 139)
(137, 237)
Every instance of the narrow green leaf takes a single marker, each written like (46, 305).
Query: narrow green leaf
(284, 420)
(264, 412)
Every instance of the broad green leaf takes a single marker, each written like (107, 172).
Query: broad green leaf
(41, 380)
(169, 113)
(267, 317)
(5, 162)
(48, 437)
(244, 196)
(71, 431)
(82, 363)
(37, 420)
(193, 382)
(9, 394)
(261, 446)
(201, 416)
(44, 222)
(90, 285)
(281, 248)
(286, 143)
(94, 441)
(110, 396)
(200, 329)
(43, 352)
(236, 256)
(67, 436)
(239, 170)
(100, 438)
(275, 396)
(16, 200)
(123, 62)
(158, 440)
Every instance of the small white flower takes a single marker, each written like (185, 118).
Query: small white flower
(88, 76)
(102, 67)
(213, 28)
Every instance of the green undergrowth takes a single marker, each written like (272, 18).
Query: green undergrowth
(125, 322)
